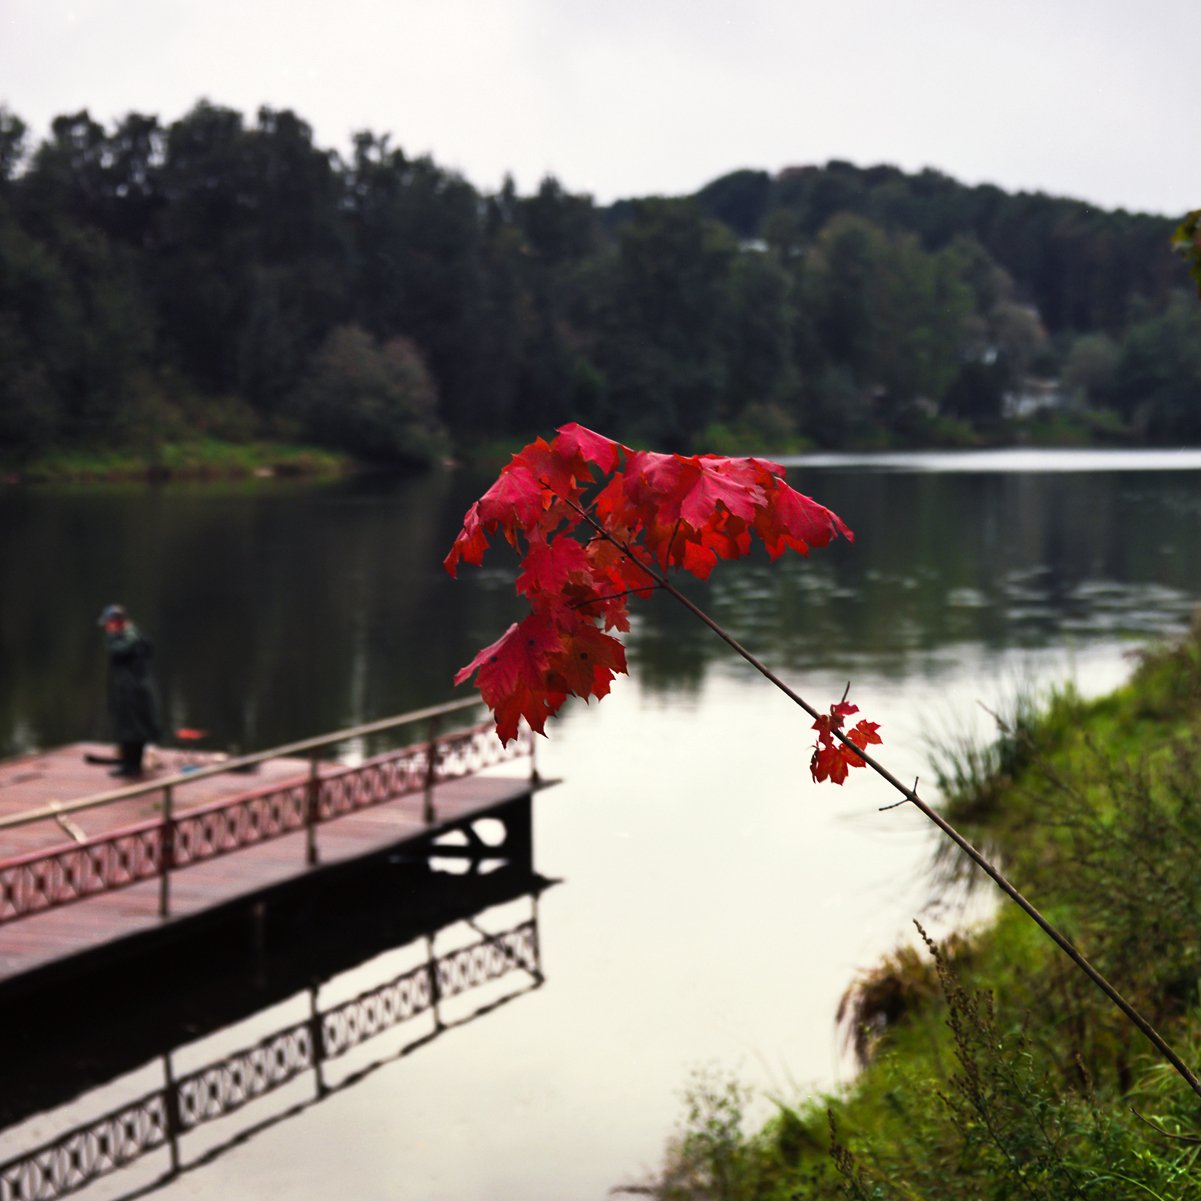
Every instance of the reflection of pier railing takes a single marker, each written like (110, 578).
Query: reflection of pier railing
(45, 879)
(163, 1117)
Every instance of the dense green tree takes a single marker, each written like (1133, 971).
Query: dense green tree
(376, 401)
(761, 366)
(14, 135)
(738, 200)
(194, 275)
(977, 393)
(1090, 368)
(558, 227)
(36, 320)
(918, 316)
(1016, 335)
(66, 185)
(252, 264)
(888, 314)
(417, 243)
(661, 347)
(1079, 266)
(847, 258)
(1157, 379)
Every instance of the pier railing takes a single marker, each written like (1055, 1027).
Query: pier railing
(181, 837)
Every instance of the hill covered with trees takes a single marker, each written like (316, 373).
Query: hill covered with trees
(225, 277)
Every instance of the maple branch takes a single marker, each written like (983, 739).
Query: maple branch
(596, 600)
(674, 531)
(910, 794)
(586, 447)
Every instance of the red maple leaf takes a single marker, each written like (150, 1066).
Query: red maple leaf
(588, 661)
(832, 757)
(595, 448)
(515, 503)
(797, 522)
(589, 544)
(667, 489)
(548, 566)
(513, 678)
(864, 734)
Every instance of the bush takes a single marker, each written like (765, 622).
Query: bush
(375, 401)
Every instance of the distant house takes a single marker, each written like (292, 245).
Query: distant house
(1035, 396)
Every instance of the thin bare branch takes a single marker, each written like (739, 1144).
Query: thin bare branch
(911, 795)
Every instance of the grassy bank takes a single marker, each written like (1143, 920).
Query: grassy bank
(993, 1067)
(197, 458)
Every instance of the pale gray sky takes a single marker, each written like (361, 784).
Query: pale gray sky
(1089, 98)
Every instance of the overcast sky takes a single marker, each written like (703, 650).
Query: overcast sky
(1096, 99)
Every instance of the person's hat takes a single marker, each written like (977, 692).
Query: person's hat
(111, 613)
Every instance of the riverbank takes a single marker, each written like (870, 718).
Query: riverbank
(187, 459)
(201, 457)
(992, 1066)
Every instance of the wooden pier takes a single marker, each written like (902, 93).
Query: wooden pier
(91, 881)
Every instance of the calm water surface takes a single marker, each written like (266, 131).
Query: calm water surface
(714, 903)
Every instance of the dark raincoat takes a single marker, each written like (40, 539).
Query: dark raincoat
(132, 699)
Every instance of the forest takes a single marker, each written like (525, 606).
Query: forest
(224, 278)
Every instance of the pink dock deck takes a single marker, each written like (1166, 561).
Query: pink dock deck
(63, 775)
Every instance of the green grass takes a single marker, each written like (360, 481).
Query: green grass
(195, 458)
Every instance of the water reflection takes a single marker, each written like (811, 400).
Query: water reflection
(465, 951)
(944, 562)
(281, 610)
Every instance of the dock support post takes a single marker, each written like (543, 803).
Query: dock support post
(536, 942)
(317, 1038)
(431, 960)
(174, 1114)
(310, 813)
(431, 771)
(518, 845)
(166, 853)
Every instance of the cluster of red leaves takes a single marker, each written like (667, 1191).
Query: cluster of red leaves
(831, 755)
(595, 523)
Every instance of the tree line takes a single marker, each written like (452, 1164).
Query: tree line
(229, 277)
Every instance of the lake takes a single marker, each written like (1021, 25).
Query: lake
(713, 902)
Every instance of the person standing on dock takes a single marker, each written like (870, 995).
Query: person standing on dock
(132, 698)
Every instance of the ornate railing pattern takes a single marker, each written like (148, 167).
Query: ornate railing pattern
(224, 1087)
(483, 961)
(377, 1010)
(75, 1159)
(222, 827)
(42, 880)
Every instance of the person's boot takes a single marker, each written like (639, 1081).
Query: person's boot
(131, 762)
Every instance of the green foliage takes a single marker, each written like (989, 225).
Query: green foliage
(13, 135)
(662, 328)
(1187, 240)
(759, 428)
(738, 200)
(1157, 378)
(375, 401)
(213, 257)
(1078, 265)
(1090, 368)
(188, 458)
(991, 1121)
(713, 1158)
